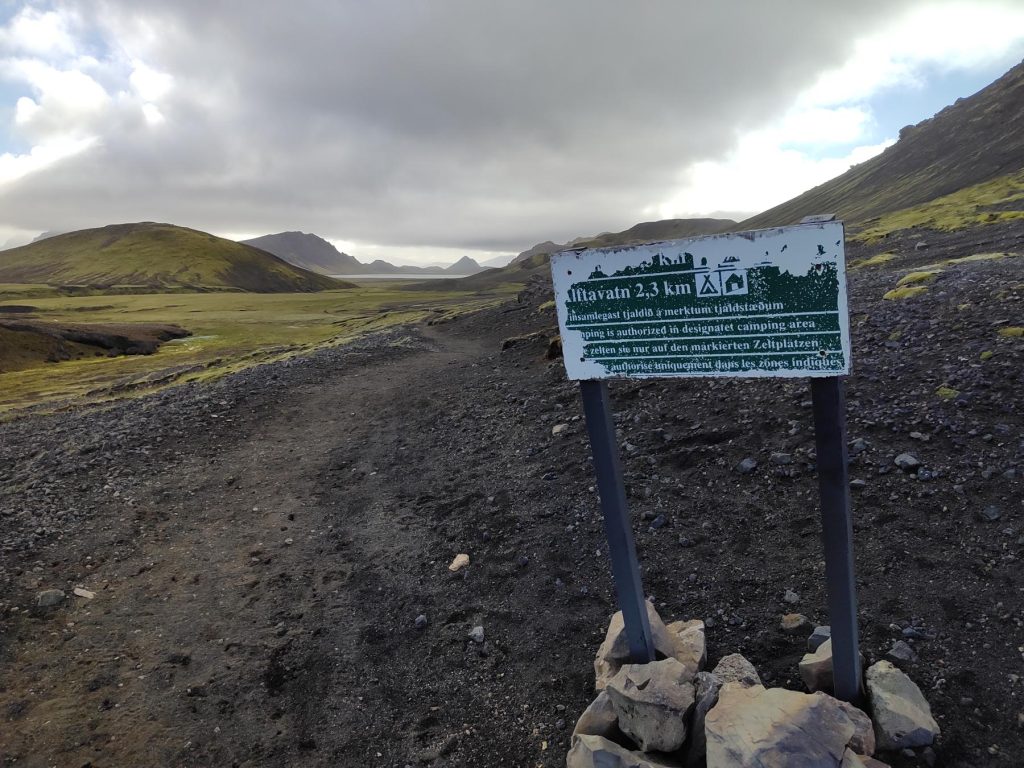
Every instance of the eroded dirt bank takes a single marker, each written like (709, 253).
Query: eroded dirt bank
(260, 548)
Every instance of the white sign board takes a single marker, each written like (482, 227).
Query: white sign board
(770, 302)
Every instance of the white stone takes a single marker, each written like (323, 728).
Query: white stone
(901, 712)
(461, 561)
(733, 668)
(652, 702)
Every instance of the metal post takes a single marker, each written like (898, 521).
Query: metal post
(837, 532)
(625, 569)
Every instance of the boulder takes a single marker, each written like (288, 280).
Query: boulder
(599, 719)
(733, 668)
(691, 645)
(597, 752)
(816, 668)
(652, 703)
(614, 651)
(759, 727)
(902, 715)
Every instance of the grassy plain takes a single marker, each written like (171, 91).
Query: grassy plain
(229, 331)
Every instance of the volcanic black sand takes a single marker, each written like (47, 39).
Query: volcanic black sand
(260, 547)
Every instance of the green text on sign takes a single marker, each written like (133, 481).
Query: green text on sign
(764, 303)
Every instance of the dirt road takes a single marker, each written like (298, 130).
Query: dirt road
(261, 548)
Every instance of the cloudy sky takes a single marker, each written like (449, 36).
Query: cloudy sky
(420, 131)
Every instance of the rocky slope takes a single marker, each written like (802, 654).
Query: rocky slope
(325, 498)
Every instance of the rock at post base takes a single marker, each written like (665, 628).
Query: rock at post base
(733, 668)
(652, 702)
(597, 752)
(691, 645)
(901, 712)
(757, 727)
(599, 719)
(863, 740)
(816, 668)
(614, 651)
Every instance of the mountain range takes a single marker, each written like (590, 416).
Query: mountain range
(312, 252)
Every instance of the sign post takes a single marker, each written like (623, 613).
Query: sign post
(767, 303)
(617, 527)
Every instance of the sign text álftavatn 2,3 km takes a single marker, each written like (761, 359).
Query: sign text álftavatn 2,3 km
(764, 303)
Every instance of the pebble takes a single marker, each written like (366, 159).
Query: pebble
(990, 514)
(907, 462)
(659, 522)
(791, 597)
(792, 623)
(782, 459)
(559, 429)
(421, 621)
(476, 634)
(461, 561)
(857, 484)
(901, 654)
(523, 561)
(746, 466)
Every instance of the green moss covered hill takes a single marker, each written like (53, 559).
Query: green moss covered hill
(976, 142)
(155, 257)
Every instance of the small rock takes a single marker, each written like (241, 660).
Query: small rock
(920, 245)
(49, 598)
(88, 594)
(460, 561)
(598, 752)
(990, 514)
(421, 621)
(858, 446)
(476, 634)
(746, 466)
(559, 429)
(920, 436)
(794, 623)
(791, 597)
(816, 668)
(818, 636)
(782, 459)
(901, 654)
(902, 715)
(652, 702)
(907, 462)
(857, 484)
(658, 522)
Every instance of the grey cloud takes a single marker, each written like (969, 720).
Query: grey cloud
(455, 124)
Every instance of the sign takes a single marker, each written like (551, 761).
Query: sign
(769, 302)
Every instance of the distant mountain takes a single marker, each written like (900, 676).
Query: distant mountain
(48, 233)
(497, 262)
(316, 254)
(975, 140)
(307, 251)
(155, 256)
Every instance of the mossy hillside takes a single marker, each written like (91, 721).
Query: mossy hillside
(150, 256)
(995, 201)
(230, 331)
